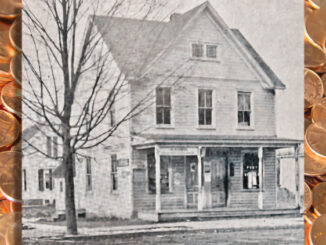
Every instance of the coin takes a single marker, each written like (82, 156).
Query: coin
(307, 197)
(314, 55)
(307, 122)
(319, 198)
(17, 146)
(314, 165)
(15, 34)
(306, 233)
(318, 111)
(311, 4)
(321, 177)
(10, 176)
(14, 231)
(9, 129)
(11, 98)
(16, 67)
(9, 9)
(15, 207)
(318, 231)
(5, 206)
(316, 138)
(313, 87)
(316, 26)
(310, 217)
(6, 49)
(312, 182)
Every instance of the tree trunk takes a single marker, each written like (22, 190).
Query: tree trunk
(70, 191)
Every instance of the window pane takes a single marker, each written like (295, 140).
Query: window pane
(247, 101)
(208, 117)
(159, 96)
(167, 96)
(201, 119)
(197, 50)
(40, 180)
(164, 174)
(159, 115)
(240, 116)
(241, 102)
(151, 173)
(250, 171)
(211, 51)
(247, 117)
(167, 117)
(209, 98)
(201, 98)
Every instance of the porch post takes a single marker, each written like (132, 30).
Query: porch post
(297, 176)
(157, 179)
(260, 169)
(200, 203)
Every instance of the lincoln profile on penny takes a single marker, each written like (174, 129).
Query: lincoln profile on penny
(206, 145)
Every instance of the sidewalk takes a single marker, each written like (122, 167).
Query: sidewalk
(58, 232)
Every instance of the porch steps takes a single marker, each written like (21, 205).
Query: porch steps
(182, 215)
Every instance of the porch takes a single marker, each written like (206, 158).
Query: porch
(211, 177)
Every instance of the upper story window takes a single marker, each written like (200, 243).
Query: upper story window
(197, 50)
(52, 146)
(250, 171)
(205, 106)
(211, 51)
(112, 116)
(244, 109)
(163, 105)
(114, 172)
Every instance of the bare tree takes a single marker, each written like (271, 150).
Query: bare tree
(71, 81)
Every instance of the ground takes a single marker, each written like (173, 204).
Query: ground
(267, 236)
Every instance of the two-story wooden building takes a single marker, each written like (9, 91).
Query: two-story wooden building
(206, 143)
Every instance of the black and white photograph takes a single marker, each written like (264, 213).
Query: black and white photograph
(163, 122)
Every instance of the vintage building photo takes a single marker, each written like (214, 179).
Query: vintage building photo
(163, 122)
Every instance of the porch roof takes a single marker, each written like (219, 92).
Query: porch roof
(148, 141)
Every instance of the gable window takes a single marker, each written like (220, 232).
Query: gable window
(244, 108)
(114, 172)
(197, 50)
(88, 174)
(205, 106)
(250, 171)
(163, 106)
(211, 51)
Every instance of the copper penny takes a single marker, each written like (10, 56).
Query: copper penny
(318, 111)
(306, 233)
(15, 207)
(316, 26)
(9, 129)
(5, 206)
(311, 181)
(6, 49)
(316, 138)
(314, 55)
(16, 67)
(11, 98)
(313, 165)
(9, 9)
(15, 34)
(17, 146)
(14, 230)
(313, 87)
(10, 176)
(318, 231)
(307, 122)
(310, 217)
(319, 198)
(307, 197)
(311, 4)
(321, 178)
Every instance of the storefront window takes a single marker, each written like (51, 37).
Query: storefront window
(250, 171)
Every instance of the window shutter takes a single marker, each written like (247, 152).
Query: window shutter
(40, 180)
(55, 146)
(50, 179)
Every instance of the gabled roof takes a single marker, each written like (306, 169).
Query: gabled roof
(136, 44)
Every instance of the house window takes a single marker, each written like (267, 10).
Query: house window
(211, 51)
(197, 50)
(61, 186)
(114, 172)
(48, 146)
(52, 146)
(88, 174)
(24, 180)
(244, 108)
(163, 106)
(250, 171)
(55, 146)
(45, 179)
(166, 174)
(205, 106)
(112, 116)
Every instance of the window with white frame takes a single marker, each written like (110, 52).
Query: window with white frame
(244, 109)
(114, 172)
(88, 174)
(211, 51)
(250, 171)
(197, 50)
(45, 179)
(205, 106)
(163, 106)
(52, 146)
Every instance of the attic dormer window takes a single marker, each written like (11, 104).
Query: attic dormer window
(197, 50)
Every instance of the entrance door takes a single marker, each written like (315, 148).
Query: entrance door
(191, 169)
(219, 180)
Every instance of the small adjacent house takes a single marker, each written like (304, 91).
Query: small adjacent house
(207, 144)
